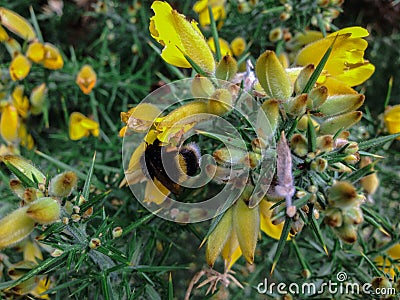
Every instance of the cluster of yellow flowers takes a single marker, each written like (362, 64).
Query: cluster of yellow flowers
(16, 108)
(329, 107)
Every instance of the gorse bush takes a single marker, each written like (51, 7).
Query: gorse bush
(196, 150)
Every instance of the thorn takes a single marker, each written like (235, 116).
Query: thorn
(273, 268)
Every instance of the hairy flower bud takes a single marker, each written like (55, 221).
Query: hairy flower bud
(45, 210)
(333, 124)
(298, 144)
(226, 68)
(220, 102)
(202, 87)
(15, 227)
(63, 184)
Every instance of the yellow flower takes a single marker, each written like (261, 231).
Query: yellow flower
(52, 58)
(35, 52)
(385, 264)
(20, 102)
(86, 79)
(25, 138)
(42, 286)
(392, 119)
(81, 126)
(179, 37)
(19, 67)
(9, 123)
(238, 45)
(346, 66)
(217, 8)
(223, 46)
(229, 238)
(17, 24)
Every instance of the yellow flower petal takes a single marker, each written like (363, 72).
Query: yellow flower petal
(20, 67)
(155, 192)
(20, 101)
(9, 123)
(35, 52)
(32, 251)
(52, 57)
(178, 35)
(238, 46)
(3, 34)
(223, 46)
(86, 79)
(217, 8)
(392, 119)
(393, 253)
(266, 225)
(81, 126)
(346, 62)
(17, 24)
(25, 138)
(42, 286)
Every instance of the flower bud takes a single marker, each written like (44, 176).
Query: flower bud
(37, 98)
(381, 283)
(238, 45)
(333, 217)
(370, 183)
(342, 194)
(325, 143)
(347, 233)
(297, 106)
(353, 216)
(218, 237)
(94, 243)
(339, 167)
(226, 68)
(17, 187)
(298, 144)
(202, 87)
(75, 217)
(272, 76)
(302, 80)
(275, 34)
(333, 124)
(45, 210)
(271, 110)
(25, 167)
(339, 104)
(246, 222)
(352, 159)
(56, 253)
(63, 184)
(319, 164)
(31, 194)
(117, 232)
(220, 102)
(306, 273)
(17, 24)
(318, 96)
(15, 227)
(303, 123)
(257, 145)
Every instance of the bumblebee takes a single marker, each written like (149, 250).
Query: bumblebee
(170, 165)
